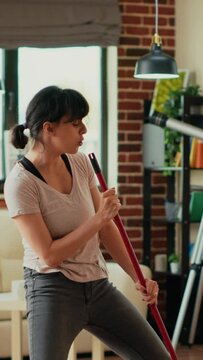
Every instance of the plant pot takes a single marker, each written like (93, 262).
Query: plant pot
(175, 267)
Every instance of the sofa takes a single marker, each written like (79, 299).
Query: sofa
(11, 255)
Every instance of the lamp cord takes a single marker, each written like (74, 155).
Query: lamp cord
(156, 16)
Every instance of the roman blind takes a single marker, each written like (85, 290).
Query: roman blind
(54, 23)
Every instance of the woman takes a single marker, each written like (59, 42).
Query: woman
(52, 196)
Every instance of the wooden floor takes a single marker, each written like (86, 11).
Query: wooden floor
(193, 353)
(183, 353)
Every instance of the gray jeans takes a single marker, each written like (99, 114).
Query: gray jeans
(58, 309)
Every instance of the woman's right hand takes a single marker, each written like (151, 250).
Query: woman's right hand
(109, 205)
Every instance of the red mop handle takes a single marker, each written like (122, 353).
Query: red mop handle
(135, 262)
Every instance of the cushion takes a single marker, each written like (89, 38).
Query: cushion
(11, 269)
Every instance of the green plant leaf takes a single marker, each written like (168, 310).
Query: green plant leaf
(172, 108)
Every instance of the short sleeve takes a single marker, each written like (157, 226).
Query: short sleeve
(20, 192)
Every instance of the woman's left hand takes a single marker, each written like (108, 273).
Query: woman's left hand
(150, 292)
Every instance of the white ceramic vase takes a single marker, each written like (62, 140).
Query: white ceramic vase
(175, 267)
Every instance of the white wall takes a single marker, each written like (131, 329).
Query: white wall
(189, 38)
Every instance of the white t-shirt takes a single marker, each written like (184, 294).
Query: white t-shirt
(25, 193)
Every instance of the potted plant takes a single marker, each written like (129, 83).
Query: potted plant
(174, 261)
(173, 108)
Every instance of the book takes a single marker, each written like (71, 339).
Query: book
(193, 153)
(199, 154)
(196, 205)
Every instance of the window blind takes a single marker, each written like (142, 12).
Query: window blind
(56, 23)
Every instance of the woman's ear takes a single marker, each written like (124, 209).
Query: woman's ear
(48, 127)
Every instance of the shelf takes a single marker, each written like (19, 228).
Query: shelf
(196, 188)
(163, 221)
(164, 168)
(166, 273)
(169, 168)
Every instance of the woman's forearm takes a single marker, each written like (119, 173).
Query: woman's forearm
(69, 244)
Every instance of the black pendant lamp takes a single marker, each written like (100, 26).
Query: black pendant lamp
(156, 64)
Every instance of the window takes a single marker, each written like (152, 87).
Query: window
(89, 70)
(95, 75)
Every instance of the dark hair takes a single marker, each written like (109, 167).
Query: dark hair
(49, 104)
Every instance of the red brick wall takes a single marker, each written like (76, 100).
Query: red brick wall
(138, 27)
